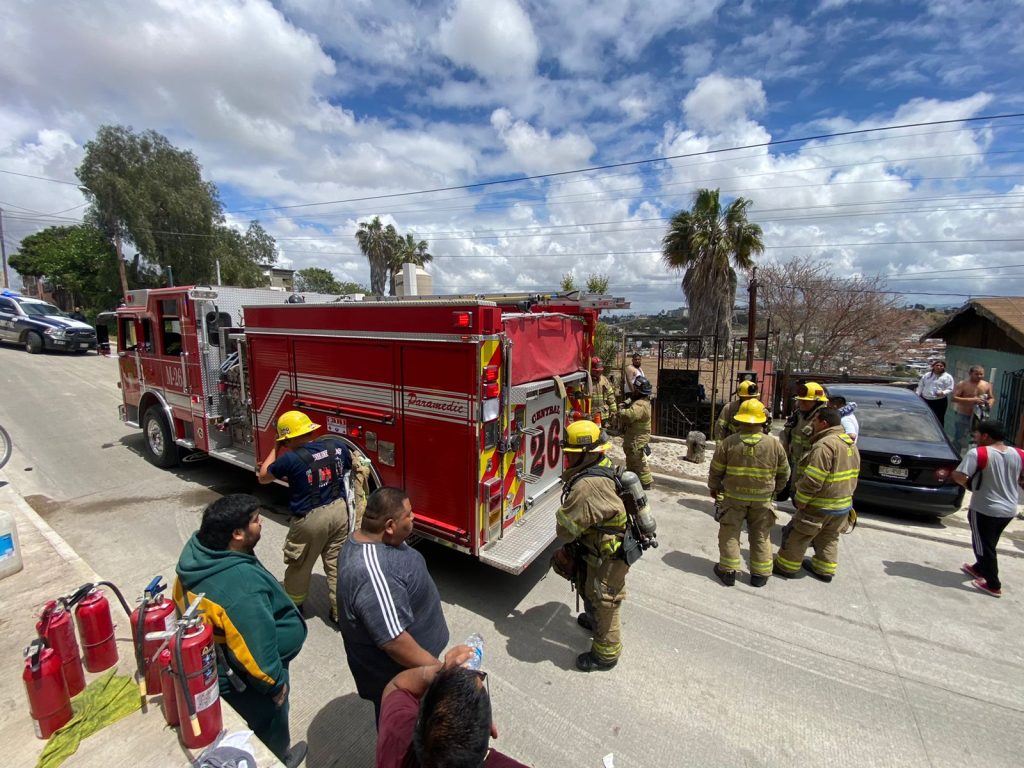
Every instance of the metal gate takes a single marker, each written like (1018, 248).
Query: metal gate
(1011, 405)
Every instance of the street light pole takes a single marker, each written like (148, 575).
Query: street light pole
(3, 249)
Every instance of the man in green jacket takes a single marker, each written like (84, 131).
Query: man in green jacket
(255, 623)
(635, 422)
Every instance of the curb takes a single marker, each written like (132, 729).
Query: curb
(688, 485)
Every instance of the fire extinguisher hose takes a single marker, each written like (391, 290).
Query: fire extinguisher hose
(190, 702)
(140, 644)
(116, 591)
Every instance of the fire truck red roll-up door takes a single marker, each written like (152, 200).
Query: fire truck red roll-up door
(543, 345)
(439, 436)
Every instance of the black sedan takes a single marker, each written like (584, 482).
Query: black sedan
(906, 458)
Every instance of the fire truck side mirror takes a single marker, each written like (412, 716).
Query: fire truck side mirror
(214, 322)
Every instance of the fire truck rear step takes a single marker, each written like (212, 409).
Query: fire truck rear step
(244, 459)
(522, 542)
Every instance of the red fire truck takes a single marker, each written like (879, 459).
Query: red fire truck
(460, 400)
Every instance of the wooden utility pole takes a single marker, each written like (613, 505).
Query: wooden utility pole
(120, 268)
(3, 250)
(751, 317)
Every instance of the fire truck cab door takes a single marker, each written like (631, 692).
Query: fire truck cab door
(131, 340)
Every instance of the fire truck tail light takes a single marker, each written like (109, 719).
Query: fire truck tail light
(490, 374)
(462, 319)
(355, 432)
(490, 390)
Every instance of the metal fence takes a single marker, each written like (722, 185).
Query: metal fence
(1011, 405)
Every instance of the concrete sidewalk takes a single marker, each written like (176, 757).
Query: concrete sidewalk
(52, 568)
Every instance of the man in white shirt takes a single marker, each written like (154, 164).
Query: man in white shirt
(934, 388)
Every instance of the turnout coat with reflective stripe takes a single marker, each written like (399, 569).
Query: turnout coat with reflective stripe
(827, 477)
(748, 467)
(636, 425)
(592, 511)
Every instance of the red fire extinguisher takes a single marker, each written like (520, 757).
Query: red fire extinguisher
(95, 626)
(48, 700)
(196, 686)
(55, 627)
(154, 614)
(170, 701)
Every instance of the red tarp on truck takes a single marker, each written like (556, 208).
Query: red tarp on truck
(544, 345)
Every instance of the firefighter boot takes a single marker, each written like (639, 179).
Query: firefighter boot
(588, 662)
(726, 577)
(758, 580)
(584, 621)
(809, 567)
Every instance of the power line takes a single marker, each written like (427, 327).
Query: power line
(633, 163)
(41, 178)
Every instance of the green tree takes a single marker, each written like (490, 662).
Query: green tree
(244, 257)
(407, 250)
(347, 287)
(710, 242)
(78, 260)
(568, 283)
(597, 283)
(143, 189)
(377, 243)
(316, 280)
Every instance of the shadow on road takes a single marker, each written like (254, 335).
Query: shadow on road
(934, 576)
(547, 632)
(706, 505)
(688, 563)
(336, 731)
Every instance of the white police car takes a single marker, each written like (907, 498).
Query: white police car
(38, 326)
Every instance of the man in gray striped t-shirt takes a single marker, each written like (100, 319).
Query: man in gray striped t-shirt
(390, 610)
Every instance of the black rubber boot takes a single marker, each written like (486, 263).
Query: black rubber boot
(584, 621)
(757, 580)
(296, 755)
(726, 577)
(819, 576)
(777, 570)
(588, 662)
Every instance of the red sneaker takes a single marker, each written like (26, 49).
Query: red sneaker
(971, 571)
(984, 587)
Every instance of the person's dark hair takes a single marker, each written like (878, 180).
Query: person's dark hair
(385, 503)
(993, 429)
(836, 401)
(979, 368)
(829, 415)
(453, 728)
(225, 516)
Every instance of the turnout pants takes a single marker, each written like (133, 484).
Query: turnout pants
(812, 527)
(604, 589)
(319, 533)
(637, 461)
(985, 533)
(760, 517)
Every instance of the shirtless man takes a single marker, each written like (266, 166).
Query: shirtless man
(973, 399)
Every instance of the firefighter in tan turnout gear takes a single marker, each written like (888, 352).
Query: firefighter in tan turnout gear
(726, 424)
(747, 470)
(602, 395)
(797, 434)
(593, 518)
(823, 496)
(635, 422)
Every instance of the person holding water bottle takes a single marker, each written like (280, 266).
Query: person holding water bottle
(440, 714)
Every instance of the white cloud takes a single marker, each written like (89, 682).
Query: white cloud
(717, 101)
(537, 151)
(494, 38)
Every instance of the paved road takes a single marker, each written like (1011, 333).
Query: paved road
(895, 663)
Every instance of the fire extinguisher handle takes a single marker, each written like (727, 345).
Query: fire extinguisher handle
(34, 652)
(155, 587)
(76, 597)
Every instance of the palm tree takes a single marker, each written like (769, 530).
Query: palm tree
(710, 243)
(377, 243)
(407, 250)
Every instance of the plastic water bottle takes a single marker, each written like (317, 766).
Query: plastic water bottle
(10, 550)
(476, 643)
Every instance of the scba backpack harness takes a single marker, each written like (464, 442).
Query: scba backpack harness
(326, 475)
(976, 478)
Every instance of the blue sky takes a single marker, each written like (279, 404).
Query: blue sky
(309, 101)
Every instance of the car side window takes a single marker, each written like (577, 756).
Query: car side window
(6, 305)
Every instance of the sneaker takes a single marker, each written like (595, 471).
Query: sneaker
(971, 571)
(984, 587)
(296, 755)
(757, 580)
(588, 662)
(584, 621)
(825, 577)
(726, 577)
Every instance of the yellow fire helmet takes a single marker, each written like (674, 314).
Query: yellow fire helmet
(585, 437)
(811, 390)
(294, 424)
(750, 412)
(747, 389)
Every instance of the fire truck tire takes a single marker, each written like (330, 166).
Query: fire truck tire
(160, 447)
(33, 343)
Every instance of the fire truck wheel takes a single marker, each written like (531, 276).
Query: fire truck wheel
(160, 448)
(33, 343)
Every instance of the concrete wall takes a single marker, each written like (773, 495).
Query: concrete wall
(960, 359)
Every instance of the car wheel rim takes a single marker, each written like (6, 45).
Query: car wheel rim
(155, 436)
